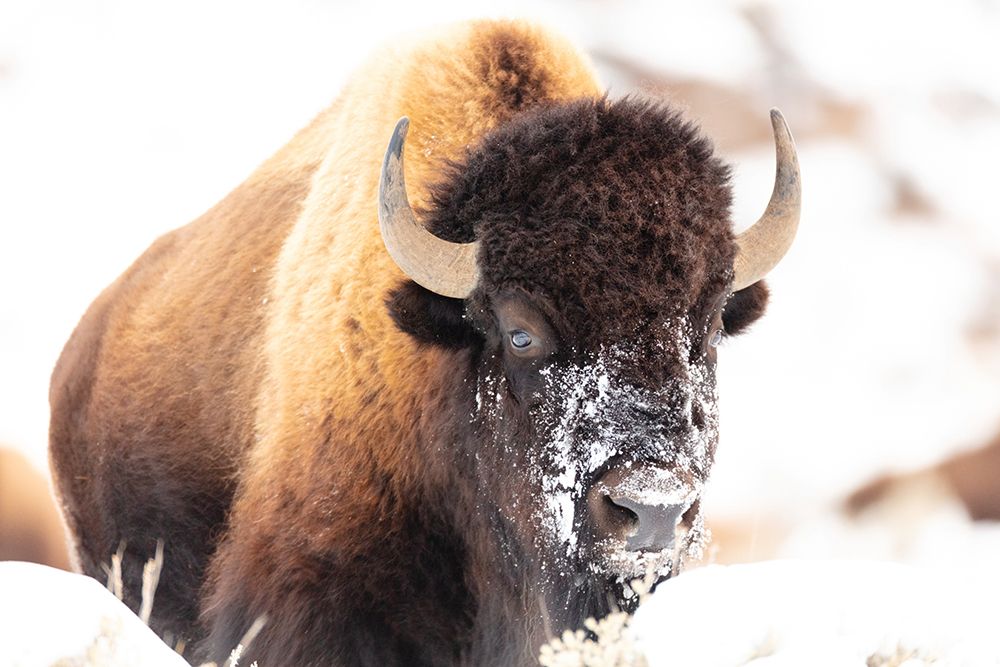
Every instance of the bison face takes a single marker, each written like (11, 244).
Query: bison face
(600, 282)
(600, 451)
(592, 451)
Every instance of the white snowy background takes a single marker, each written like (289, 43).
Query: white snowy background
(120, 120)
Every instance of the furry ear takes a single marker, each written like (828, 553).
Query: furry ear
(745, 307)
(429, 317)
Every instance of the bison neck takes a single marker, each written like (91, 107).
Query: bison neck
(380, 570)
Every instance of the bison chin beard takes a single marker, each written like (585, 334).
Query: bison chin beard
(557, 590)
(598, 579)
(546, 594)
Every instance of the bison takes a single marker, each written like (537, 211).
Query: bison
(425, 421)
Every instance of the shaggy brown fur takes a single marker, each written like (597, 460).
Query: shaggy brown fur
(579, 196)
(264, 391)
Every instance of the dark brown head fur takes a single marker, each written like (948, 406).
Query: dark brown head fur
(613, 211)
(574, 203)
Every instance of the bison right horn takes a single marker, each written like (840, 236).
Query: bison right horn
(443, 267)
(761, 247)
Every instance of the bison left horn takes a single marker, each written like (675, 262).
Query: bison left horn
(761, 247)
(443, 267)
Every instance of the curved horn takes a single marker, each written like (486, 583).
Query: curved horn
(762, 246)
(443, 267)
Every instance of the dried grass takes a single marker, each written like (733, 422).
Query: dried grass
(609, 642)
(899, 657)
(150, 581)
(115, 572)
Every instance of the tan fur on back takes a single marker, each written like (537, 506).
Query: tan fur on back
(251, 352)
(333, 273)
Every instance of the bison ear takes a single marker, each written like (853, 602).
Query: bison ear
(745, 307)
(431, 318)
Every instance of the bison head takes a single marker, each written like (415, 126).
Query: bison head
(583, 253)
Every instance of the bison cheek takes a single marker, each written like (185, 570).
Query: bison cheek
(431, 318)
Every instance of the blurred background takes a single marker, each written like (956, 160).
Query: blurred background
(880, 353)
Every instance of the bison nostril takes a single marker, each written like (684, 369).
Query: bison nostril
(610, 519)
(656, 525)
(638, 504)
(623, 521)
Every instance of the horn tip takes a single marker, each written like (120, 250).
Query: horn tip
(399, 133)
(778, 120)
(780, 126)
(397, 140)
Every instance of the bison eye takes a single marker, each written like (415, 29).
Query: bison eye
(520, 339)
(715, 338)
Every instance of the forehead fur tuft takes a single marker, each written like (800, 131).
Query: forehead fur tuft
(614, 212)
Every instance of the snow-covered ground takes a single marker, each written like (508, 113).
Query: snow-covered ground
(881, 349)
(50, 617)
(833, 613)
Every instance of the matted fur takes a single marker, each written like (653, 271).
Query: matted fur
(267, 393)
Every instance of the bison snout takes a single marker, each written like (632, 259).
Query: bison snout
(639, 505)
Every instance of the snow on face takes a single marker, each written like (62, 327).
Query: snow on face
(587, 416)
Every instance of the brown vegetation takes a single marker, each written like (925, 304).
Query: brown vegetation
(30, 529)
